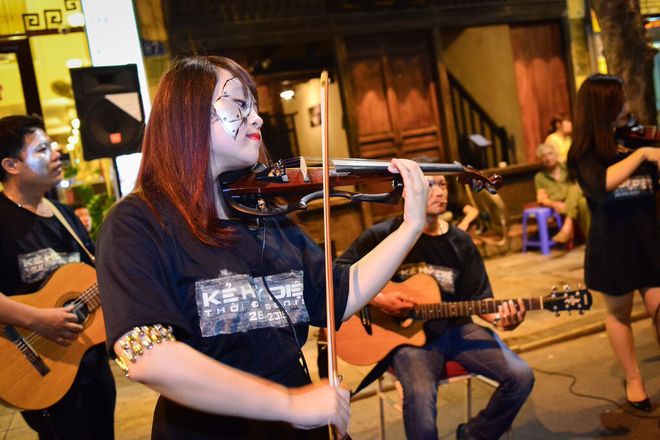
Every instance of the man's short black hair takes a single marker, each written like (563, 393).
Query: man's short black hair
(13, 130)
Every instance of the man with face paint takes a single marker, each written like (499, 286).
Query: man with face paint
(447, 253)
(33, 243)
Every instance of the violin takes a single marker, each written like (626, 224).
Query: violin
(289, 185)
(634, 135)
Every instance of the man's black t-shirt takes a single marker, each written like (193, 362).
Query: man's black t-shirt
(450, 258)
(158, 272)
(32, 247)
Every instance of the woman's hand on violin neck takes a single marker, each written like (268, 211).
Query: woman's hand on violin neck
(415, 192)
(320, 404)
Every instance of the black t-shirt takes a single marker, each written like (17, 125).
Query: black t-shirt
(624, 237)
(152, 272)
(32, 247)
(450, 258)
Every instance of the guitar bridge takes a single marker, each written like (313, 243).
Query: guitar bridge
(24, 347)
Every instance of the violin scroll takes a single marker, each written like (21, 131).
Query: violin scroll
(477, 181)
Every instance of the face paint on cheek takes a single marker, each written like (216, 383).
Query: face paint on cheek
(38, 153)
(234, 106)
(38, 161)
(230, 116)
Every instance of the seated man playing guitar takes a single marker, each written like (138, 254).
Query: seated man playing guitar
(449, 256)
(33, 244)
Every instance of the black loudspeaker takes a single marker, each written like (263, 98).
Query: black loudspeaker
(110, 110)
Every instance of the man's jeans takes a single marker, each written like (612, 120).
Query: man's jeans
(480, 351)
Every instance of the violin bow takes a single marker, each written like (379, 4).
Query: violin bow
(333, 377)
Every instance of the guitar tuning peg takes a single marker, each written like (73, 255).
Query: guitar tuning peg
(567, 287)
(553, 289)
(557, 313)
(581, 312)
(579, 286)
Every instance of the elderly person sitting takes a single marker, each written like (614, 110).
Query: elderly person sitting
(554, 190)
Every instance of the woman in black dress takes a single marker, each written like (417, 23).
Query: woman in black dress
(622, 247)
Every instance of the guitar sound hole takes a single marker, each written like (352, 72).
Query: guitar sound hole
(80, 310)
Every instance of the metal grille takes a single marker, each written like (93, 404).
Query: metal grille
(244, 11)
(250, 11)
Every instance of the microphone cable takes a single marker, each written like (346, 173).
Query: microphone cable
(301, 356)
(574, 380)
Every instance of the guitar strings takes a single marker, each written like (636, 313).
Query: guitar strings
(91, 292)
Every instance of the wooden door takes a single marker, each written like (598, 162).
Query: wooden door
(394, 97)
(542, 82)
(395, 102)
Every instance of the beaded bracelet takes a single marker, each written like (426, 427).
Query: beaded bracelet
(137, 340)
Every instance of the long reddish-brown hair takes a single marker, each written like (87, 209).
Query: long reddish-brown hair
(175, 152)
(599, 102)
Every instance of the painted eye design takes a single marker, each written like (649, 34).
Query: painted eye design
(245, 107)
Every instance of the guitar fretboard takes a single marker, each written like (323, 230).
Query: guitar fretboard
(466, 308)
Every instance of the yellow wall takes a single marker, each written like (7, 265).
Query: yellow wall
(50, 54)
(482, 59)
(582, 63)
(309, 138)
(12, 101)
(11, 21)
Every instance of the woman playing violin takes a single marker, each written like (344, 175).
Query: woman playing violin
(622, 247)
(225, 305)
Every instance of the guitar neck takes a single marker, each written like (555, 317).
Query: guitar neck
(459, 309)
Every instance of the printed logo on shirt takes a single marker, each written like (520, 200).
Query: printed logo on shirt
(35, 266)
(445, 276)
(235, 303)
(635, 186)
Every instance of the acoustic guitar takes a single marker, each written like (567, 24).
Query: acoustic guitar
(365, 340)
(36, 372)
